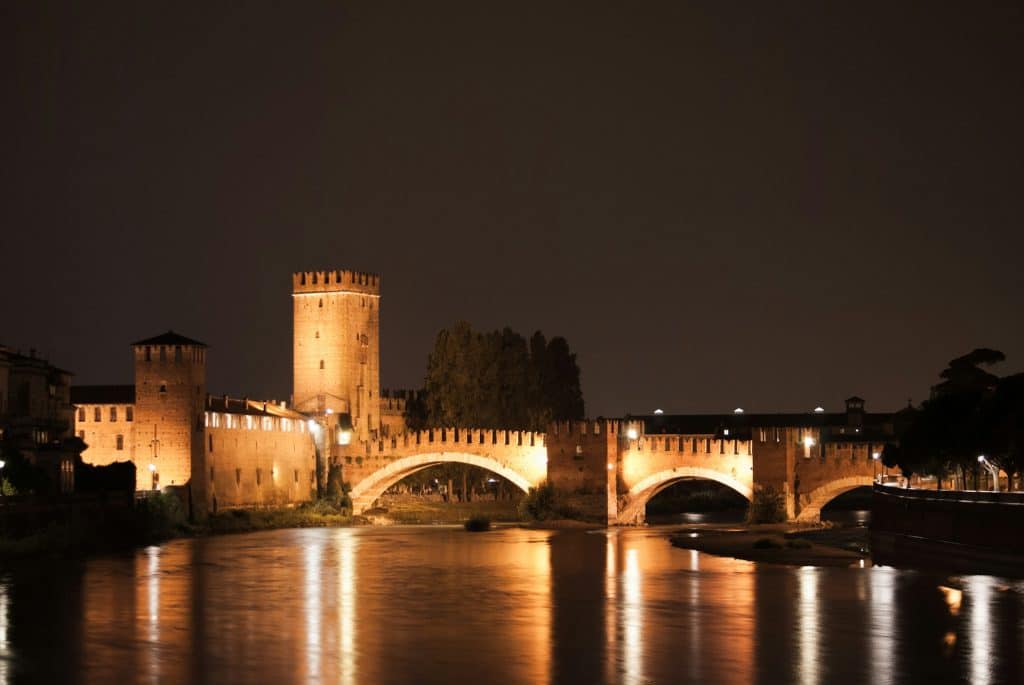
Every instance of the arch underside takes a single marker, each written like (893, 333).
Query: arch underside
(632, 508)
(366, 491)
(820, 496)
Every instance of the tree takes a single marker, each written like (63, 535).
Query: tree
(497, 379)
(971, 412)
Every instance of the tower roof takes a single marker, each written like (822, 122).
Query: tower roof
(169, 338)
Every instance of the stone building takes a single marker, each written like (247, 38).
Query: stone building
(232, 451)
(36, 414)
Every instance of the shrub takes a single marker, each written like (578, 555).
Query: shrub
(767, 543)
(545, 502)
(767, 506)
(478, 524)
(159, 516)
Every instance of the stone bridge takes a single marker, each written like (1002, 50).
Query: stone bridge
(372, 467)
(613, 468)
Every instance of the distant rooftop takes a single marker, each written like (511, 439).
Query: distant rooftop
(170, 338)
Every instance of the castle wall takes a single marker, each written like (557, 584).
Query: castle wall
(255, 461)
(110, 437)
(336, 346)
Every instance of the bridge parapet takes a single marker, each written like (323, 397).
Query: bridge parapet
(373, 466)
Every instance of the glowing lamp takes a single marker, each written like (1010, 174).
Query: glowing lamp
(819, 410)
(876, 455)
(808, 441)
(631, 434)
(658, 412)
(737, 410)
(152, 468)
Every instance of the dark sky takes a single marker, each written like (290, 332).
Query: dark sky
(767, 205)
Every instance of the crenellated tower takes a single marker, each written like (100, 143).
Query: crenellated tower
(170, 394)
(336, 358)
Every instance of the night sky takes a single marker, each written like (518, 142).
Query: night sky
(766, 205)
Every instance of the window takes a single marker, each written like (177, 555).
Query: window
(210, 442)
(321, 304)
(317, 335)
(148, 354)
(177, 354)
(81, 435)
(211, 474)
(120, 442)
(113, 414)
(259, 476)
(312, 475)
(163, 388)
(321, 364)
(296, 475)
(238, 476)
(129, 413)
(81, 414)
(97, 414)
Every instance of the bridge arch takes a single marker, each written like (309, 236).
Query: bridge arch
(632, 506)
(822, 495)
(366, 491)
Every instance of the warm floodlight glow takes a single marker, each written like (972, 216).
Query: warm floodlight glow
(344, 437)
(152, 468)
(737, 410)
(981, 458)
(658, 412)
(631, 434)
(876, 455)
(312, 424)
(330, 411)
(611, 467)
(808, 441)
(2, 463)
(819, 410)
(725, 432)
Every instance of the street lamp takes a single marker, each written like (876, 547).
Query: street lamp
(152, 476)
(992, 469)
(875, 456)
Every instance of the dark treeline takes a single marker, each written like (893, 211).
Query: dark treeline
(497, 379)
(971, 413)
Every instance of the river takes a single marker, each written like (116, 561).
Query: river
(440, 605)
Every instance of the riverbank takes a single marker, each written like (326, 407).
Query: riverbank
(159, 519)
(780, 543)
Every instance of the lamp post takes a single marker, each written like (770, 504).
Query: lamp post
(875, 456)
(993, 471)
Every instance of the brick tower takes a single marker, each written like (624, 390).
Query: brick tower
(336, 351)
(170, 392)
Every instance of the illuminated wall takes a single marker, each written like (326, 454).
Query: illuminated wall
(336, 347)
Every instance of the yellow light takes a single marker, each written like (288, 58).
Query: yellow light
(808, 441)
(631, 434)
(611, 467)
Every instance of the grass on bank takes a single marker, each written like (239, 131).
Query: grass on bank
(157, 519)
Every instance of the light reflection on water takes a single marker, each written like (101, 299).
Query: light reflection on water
(437, 605)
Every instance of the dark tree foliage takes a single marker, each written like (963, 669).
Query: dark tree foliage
(970, 412)
(497, 379)
(21, 476)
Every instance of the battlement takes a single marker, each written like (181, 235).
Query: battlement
(342, 281)
(452, 439)
(395, 401)
(589, 427)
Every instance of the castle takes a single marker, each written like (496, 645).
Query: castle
(237, 451)
(234, 452)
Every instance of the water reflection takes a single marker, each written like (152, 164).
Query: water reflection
(512, 606)
(5, 652)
